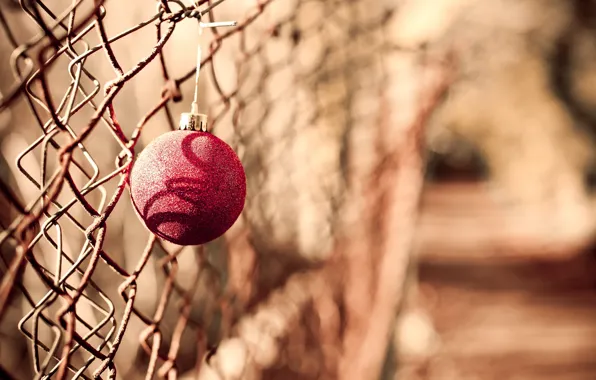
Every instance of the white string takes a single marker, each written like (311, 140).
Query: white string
(194, 108)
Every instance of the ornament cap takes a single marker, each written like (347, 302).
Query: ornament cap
(191, 121)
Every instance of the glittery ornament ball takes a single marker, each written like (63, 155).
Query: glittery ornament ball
(188, 187)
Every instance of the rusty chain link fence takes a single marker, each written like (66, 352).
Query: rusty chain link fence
(302, 89)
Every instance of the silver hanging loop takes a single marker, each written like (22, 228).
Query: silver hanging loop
(194, 120)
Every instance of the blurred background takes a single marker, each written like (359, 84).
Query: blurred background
(421, 190)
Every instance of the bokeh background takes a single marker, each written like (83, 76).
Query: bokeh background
(421, 182)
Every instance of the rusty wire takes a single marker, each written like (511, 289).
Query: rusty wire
(70, 283)
(30, 62)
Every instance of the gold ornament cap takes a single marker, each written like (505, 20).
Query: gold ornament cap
(191, 121)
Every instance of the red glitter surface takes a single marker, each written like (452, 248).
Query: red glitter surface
(188, 187)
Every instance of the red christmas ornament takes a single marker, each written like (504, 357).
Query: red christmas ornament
(188, 187)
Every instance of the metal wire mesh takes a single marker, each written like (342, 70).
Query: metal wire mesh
(68, 252)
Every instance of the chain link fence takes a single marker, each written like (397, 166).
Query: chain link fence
(306, 92)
